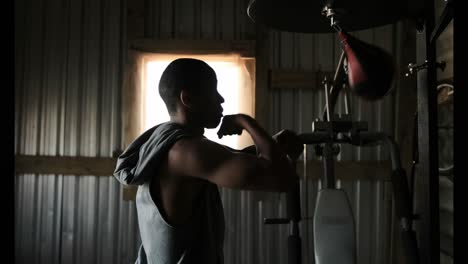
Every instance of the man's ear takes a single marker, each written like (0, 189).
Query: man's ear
(185, 99)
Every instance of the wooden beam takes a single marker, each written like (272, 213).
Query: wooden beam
(93, 166)
(132, 99)
(293, 79)
(349, 170)
(246, 48)
(96, 166)
(132, 107)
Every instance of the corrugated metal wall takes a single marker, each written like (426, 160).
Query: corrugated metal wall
(69, 59)
(67, 95)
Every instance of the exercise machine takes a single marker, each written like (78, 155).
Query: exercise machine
(367, 72)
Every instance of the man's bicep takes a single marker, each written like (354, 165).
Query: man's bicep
(197, 157)
(211, 161)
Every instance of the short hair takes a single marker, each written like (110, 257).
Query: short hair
(185, 73)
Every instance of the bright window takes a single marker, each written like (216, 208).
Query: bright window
(229, 75)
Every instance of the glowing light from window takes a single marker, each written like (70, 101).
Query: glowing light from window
(227, 74)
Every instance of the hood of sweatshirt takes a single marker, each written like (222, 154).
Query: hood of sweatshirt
(140, 161)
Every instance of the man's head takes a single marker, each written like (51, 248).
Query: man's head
(188, 87)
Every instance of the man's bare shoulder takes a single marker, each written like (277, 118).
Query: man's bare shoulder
(197, 156)
(187, 146)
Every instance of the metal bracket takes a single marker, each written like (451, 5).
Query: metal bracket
(413, 68)
(332, 13)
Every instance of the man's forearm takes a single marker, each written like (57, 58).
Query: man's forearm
(263, 141)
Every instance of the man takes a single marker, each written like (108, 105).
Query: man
(178, 170)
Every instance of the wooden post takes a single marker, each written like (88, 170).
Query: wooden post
(404, 112)
(427, 180)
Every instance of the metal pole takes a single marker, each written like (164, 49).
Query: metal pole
(427, 196)
(336, 85)
(293, 200)
(328, 166)
(327, 105)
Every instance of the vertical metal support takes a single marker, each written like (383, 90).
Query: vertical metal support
(293, 199)
(427, 178)
(327, 104)
(328, 162)
(346, 99)
(328, 166)
(307, 254)
(335, 86)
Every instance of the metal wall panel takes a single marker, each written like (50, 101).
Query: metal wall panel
(68, 78)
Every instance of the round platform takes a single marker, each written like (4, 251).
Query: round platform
(306, 16)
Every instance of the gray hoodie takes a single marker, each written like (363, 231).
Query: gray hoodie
(198, 241)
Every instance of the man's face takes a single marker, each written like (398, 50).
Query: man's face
(208, 103)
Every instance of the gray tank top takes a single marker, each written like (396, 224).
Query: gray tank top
(201, 239)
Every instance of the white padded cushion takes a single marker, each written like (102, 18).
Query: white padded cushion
(334, 230)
